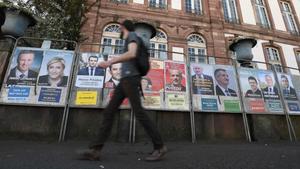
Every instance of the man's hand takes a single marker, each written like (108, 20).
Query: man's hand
(104, 64)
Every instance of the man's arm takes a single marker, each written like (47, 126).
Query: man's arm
(130, 54)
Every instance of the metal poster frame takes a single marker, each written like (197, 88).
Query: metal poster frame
(242, 111)
(57, 50)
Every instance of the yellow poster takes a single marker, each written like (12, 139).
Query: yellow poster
(177, 101)
(152, 100)
(86, 98)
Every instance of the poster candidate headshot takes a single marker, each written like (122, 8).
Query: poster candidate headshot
(267, 84)
(225, 83)
(55, 69)
(254, 91)
(202, 81)
(90, 66)
(288, 91)
(25, 67)
(175, 77)
(113, 76)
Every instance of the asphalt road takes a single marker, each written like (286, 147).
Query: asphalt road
(41, 155)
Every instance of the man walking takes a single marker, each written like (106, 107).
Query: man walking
(128, 87)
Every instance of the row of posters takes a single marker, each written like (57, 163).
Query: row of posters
(214, 88)
(165, 86)
(261, 94)
(42, 76)
(37, 76)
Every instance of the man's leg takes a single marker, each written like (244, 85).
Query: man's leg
(130, 87)
(108, 118)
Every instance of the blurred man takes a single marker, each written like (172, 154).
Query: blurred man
(22, 74)
(92, 69)
(254, 92)
(222, 79)
(289, 92)
(201, 83)
(129, 87)
(271, 91)
(115, 71)
(176, 78)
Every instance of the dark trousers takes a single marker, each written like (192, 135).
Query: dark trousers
(128, 87)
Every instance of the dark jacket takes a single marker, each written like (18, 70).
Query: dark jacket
(220, 92)
(13, 80)
(203, 86)
(43, 81)
(85, 71)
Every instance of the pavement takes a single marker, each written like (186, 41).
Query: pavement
(19, 154)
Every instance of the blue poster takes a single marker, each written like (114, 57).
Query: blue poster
(274, 106)
(209, 104)
(18, 93)
(50, 95)
(293, 106)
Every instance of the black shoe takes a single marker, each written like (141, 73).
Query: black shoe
(157, 155)
(89, 154)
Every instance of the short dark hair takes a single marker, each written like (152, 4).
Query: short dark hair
(284, 77)
(219, 70)
(93, 57)
(252, 78)
(128, 24)
(25, 52)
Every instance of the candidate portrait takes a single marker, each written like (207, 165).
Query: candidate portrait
(202, 83)
(222, 86)
(22, 73)
(92, 68)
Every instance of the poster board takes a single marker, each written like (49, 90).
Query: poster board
(37, 77)
(214, 88)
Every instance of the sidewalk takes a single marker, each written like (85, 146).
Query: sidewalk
(42, 155)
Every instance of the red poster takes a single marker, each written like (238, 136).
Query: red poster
(154, 81)
(257, 105)
(175, 76)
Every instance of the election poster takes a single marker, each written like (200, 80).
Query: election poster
(19, 84)
(270, 91)
(202, 79)
(176, 101)
(152, 100)
(296, 83)
(89, 74)
(175, 77)
(289, 93)
(113, 74)
(154, 81)
(37, 76)
(54, 77)
(251, 91)
(226, 89)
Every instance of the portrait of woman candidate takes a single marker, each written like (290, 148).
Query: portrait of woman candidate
(55, 76)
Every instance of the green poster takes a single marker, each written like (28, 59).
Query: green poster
(232, 106)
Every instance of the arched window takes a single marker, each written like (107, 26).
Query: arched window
(196, 48)
(158, 45)
(274, 58)
(111, 42)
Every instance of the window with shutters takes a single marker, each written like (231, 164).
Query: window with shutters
(193, 6)
(160, 4)
(261, 14)
(274, 58)
(230, 11)
(289, 18)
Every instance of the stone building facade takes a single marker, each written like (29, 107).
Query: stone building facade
(202, 27)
